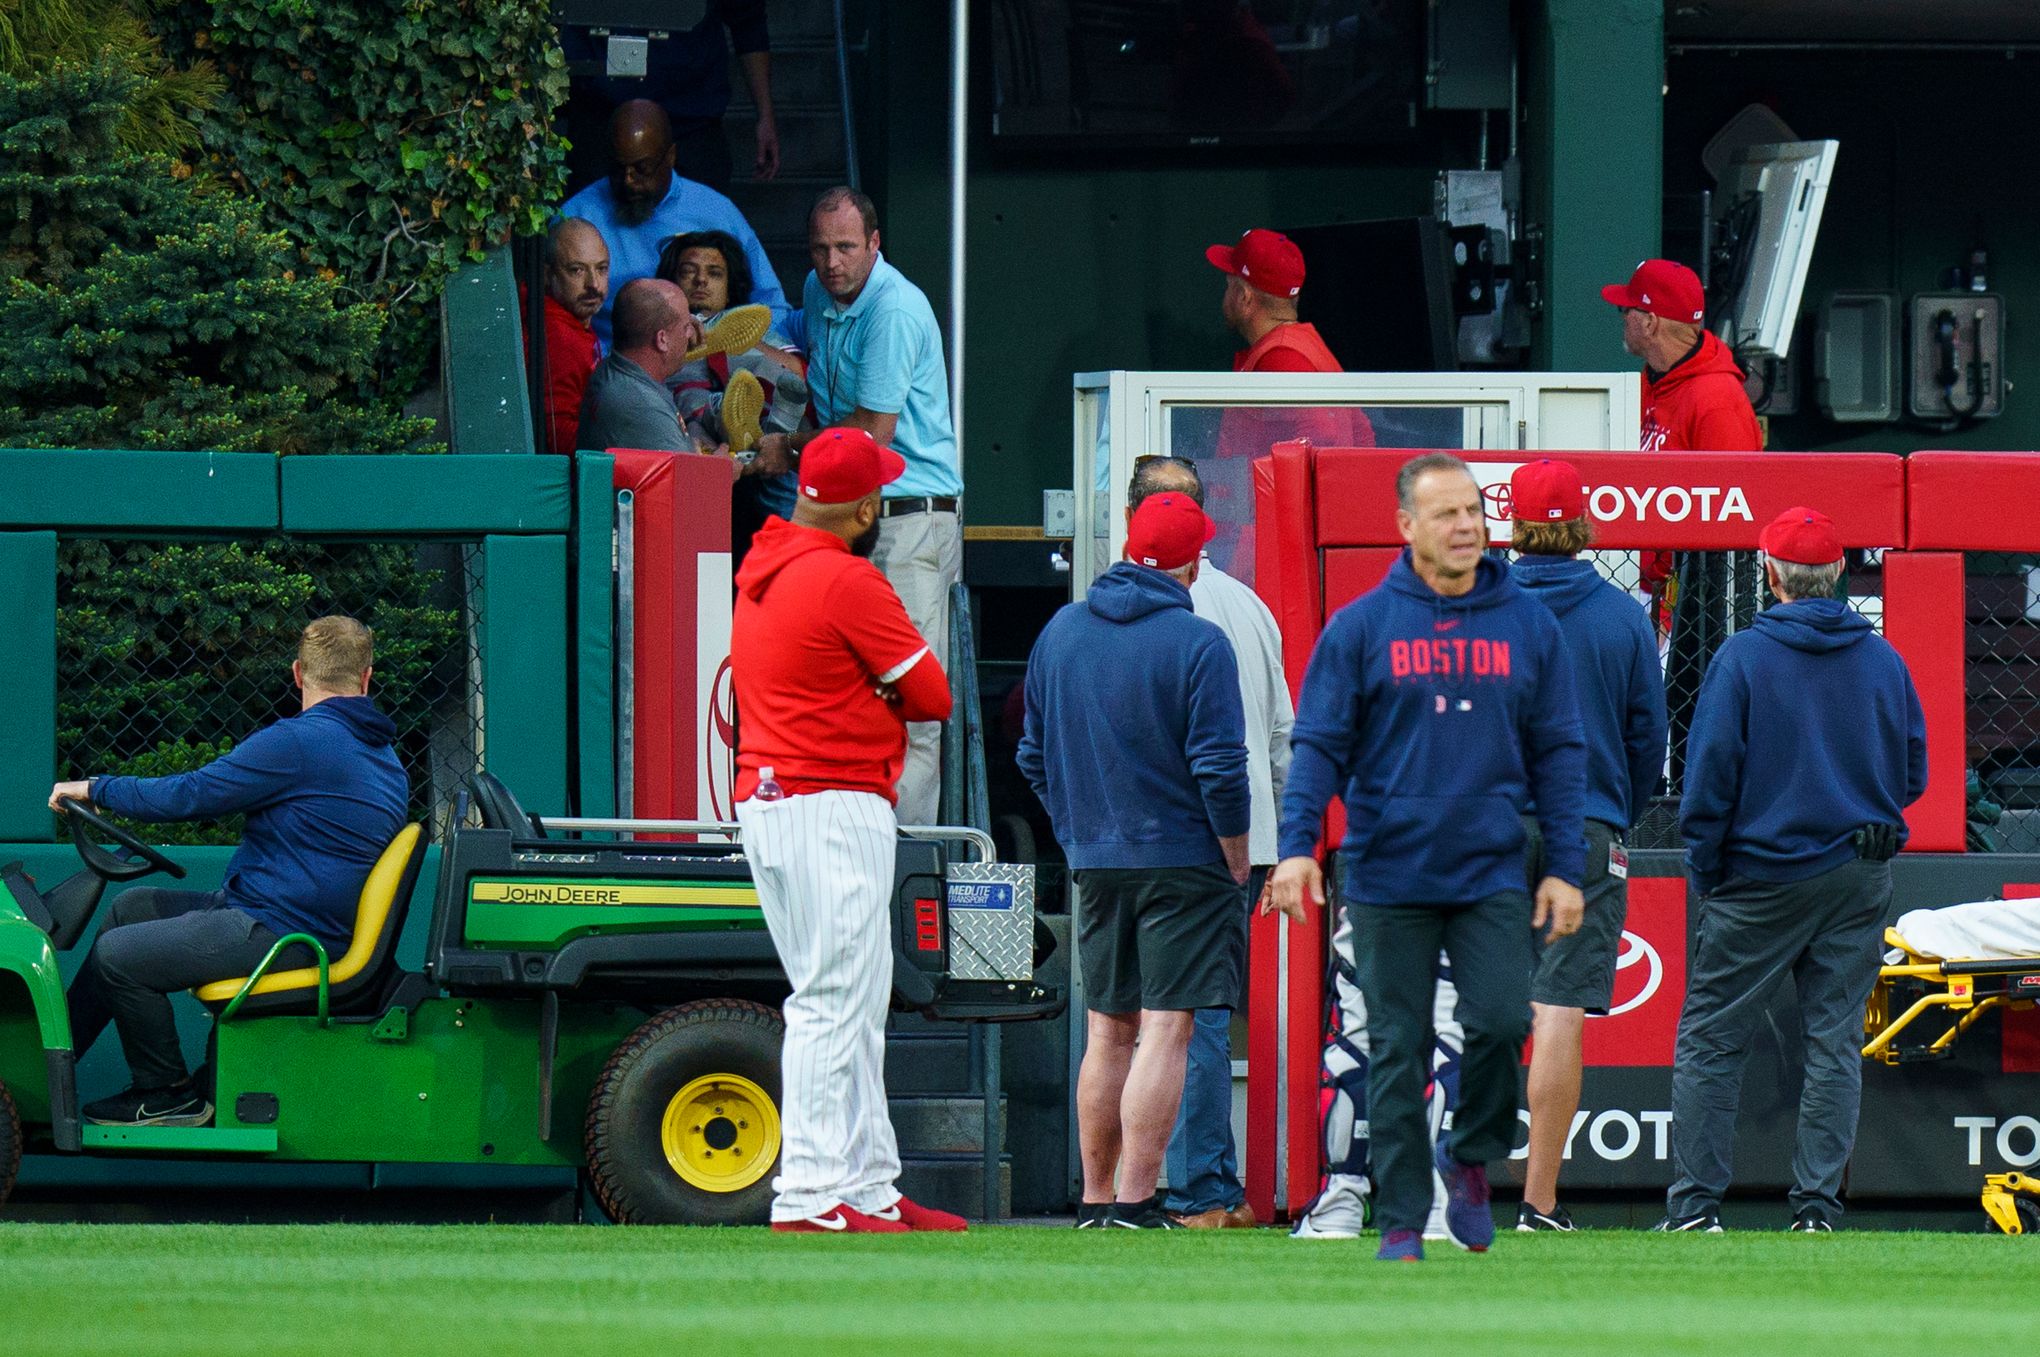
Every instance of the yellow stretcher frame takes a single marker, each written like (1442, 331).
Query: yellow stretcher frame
(1952, 985)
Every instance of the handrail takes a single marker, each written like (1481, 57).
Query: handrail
(987, 851)
(318, 949)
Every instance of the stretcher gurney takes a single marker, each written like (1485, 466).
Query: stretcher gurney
(1966, 959)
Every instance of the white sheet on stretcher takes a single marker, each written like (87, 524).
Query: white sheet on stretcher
(1982, 931)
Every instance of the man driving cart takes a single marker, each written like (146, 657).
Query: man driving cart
(323, 794)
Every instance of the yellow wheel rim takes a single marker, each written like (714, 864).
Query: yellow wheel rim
(720, 1133)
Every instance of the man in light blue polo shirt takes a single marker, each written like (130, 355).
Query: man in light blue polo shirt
(644, 203)
(875, 363)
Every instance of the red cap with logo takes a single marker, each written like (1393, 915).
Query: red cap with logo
(1663, 289)
(1802, 536)
(1168, 531)
(1546, 491)
(1268, 260)
(842, 466)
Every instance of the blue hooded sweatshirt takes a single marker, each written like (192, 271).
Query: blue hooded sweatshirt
(1442, 719)
(324, 795)
(1621, 687)
(1135, 741)
(1807, 728)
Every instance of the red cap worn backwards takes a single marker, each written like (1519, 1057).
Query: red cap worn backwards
(1662, 288)
(1546, 491)
(1268, 260)
(1168, 531)
(842, 466)
(1802, 536)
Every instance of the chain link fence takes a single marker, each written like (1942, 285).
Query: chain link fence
(1697, 600)
(2003, 676)
(170, 654)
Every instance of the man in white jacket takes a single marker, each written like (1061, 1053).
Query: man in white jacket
(1202, 1163)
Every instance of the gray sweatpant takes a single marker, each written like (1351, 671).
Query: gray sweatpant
(1823, 932)
(921, 555)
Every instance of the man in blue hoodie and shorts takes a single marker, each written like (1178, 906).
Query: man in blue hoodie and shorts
(1622, 712)
(1136, 743)
(1808, 744)
(1440, 704)
(324, 795)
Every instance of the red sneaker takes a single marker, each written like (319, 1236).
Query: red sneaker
(915, 1216)
(840, 1219)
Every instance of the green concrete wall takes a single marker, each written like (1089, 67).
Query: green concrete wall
(1090, 261)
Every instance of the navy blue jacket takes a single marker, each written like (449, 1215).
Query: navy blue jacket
(1135, 740)
(1621, 686)
(324, 795)
(1807, 728)
(1442, 719)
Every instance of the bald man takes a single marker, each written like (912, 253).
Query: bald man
(627, 404)
(644, 203)
(576, 286)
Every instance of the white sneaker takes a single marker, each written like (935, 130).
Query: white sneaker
(1304, 1229)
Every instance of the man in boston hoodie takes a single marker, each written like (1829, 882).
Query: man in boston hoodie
(1622, 711)
(323, 794)
(1808, 744)
(1440, 704)
(1136, 743)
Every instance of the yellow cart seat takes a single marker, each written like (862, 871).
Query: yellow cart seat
(354, 978)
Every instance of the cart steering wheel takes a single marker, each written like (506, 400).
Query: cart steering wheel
(80, 818)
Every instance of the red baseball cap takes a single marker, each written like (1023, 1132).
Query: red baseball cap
(1167, 531)
(1546, 491)
(1662, 288)
(1802, 536)
(1268, 260)
(842, 466)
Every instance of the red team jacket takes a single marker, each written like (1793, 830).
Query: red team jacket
(816, 631)
(1700, 405)
(571, 352)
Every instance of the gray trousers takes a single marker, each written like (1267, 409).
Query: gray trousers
(1825, 933)
(921, 556)
(152, 944)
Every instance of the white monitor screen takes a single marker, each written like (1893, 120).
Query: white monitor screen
(1778, 192)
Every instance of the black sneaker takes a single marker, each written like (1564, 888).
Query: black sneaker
(1529, 1219)
(1147, 1215)
(1093, 1215)
(180, 1105)
(1703, 1222)
(1810, 1220)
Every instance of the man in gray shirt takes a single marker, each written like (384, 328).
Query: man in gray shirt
(627, 404)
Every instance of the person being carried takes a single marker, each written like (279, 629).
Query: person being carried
(323, 794)
(645, 202)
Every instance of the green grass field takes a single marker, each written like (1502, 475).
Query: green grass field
(268, 1290)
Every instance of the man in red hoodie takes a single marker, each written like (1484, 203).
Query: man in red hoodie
(828, 671)
(1693, 398)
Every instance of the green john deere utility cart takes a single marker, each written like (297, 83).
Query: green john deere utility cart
(588, 999)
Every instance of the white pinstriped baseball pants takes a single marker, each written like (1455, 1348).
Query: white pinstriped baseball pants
(823, 864)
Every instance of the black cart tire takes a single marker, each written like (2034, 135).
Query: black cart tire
(10, 1143)
(683, 1122)
(2028, 1211)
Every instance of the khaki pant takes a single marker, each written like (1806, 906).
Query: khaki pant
(922, 555)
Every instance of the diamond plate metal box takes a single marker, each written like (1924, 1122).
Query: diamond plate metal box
(991, 920)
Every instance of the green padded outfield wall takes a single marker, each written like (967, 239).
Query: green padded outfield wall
(488, 407)
(426, 496)
(153, 493)
(594, 633)
(524, 667)
(28, 718)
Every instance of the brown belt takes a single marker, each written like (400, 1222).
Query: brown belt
(939, 504)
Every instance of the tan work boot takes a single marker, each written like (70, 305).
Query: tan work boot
(743, 401)
(734, 331)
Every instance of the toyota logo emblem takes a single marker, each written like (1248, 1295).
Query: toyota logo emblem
(1636, 951)
(1501, 500)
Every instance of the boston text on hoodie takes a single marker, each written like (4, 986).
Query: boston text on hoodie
(1807, 728)
(1441, 719)
(1621, 687)
(324, 795)
(1135, 741)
